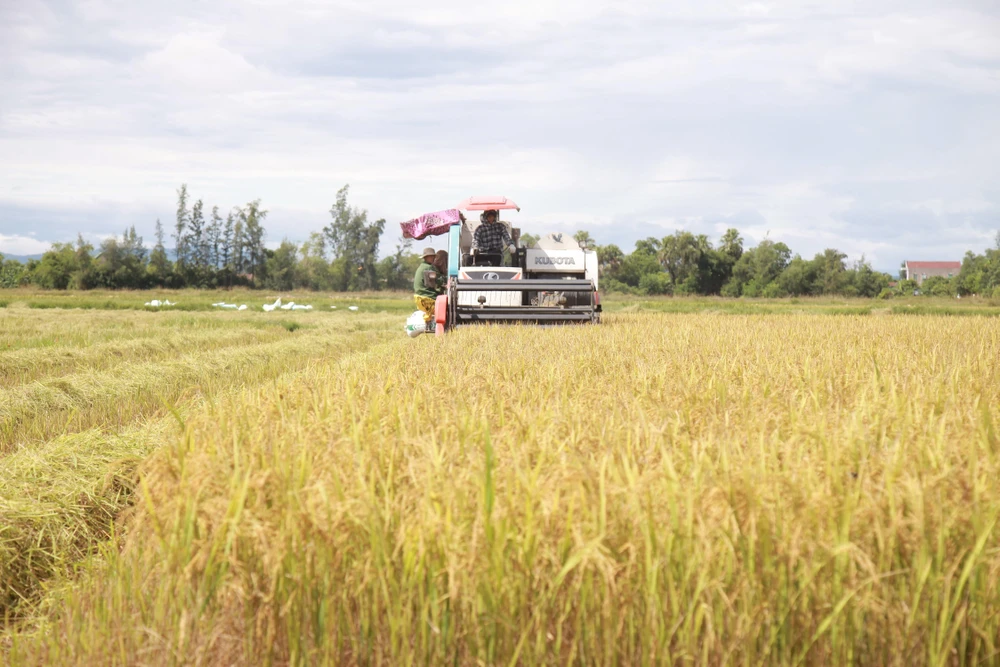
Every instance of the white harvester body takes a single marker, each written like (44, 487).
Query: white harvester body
(556, 256)
(560, 256)
(551, 281)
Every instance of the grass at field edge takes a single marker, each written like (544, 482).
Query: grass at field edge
(401, 303)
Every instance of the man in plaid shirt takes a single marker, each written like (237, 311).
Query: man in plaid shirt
(491, 236)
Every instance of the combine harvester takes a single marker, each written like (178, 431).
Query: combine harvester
(552, 282)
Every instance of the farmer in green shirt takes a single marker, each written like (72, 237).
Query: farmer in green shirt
(427, 284)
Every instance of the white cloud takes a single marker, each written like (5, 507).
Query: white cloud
(630, 119)
(21, 245)
(197, 63)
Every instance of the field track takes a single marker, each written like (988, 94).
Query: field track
(247, 488)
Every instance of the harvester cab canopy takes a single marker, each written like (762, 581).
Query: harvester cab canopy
(488, 204)
(471, 222)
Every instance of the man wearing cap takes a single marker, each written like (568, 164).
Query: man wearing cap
(427, 284)
(491, 237)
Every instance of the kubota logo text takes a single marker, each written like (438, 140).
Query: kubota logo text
(555, 260)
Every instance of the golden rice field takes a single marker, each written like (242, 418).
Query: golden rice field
(711, 488)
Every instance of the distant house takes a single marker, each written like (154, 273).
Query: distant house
(921, 271)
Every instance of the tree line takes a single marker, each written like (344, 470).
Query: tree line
(212, 251)
(684, 263)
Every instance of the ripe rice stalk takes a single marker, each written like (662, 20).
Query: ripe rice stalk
(659, 489)
(115, 397)
(67, 330)
(25, 365)
(60, 498)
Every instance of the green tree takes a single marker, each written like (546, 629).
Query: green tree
(354, 243)
(715, 268)
(680, 255)
(980, 274)
(121, 264)
(720, 263)
(648, 246)
(798, 278)
(752, 289)
(54, 269)
(656, 283)
(526, 240)
(112, 266)
(396, 271)
(252, 219)
(12, 273)
(213, 239)
(624, 272)
(159, 266)
(693, 265)
(731, 245)
(227, 250)
(609, 260)
(239, 262)
(773, 290)
(831, 273)
(760, 265)
(65, 266)
(991, 268)
(865, 281)
(313, 271)
(281, 267)
(84, 276)
(732, 288)
(195, 243)
(970, 277)
(938, 286)
(770, 258)
(180, 228)
(636, 265)
(584, 239)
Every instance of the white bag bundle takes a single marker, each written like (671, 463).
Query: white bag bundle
(415, 324)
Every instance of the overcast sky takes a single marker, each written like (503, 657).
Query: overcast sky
(872, 127)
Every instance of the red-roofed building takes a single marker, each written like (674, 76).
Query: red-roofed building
(920, 271)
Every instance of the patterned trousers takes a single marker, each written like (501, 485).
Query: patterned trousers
(426, 304)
